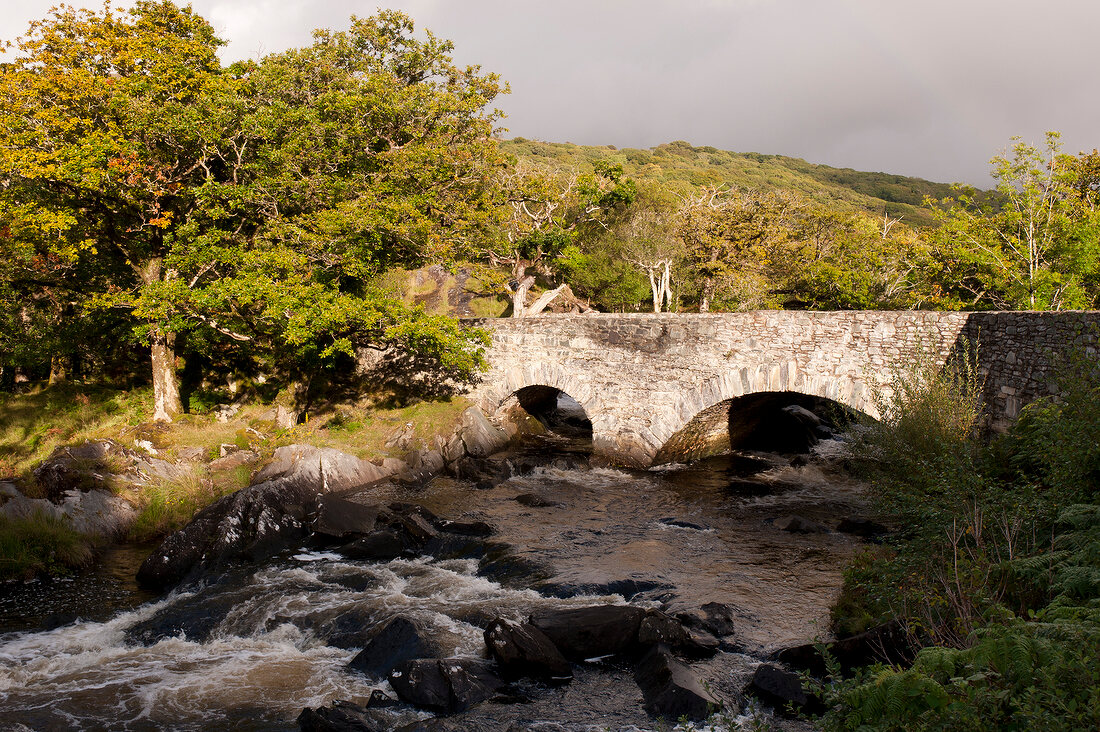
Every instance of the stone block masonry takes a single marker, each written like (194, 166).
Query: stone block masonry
(641, 377)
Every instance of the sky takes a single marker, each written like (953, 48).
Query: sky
(932, 88)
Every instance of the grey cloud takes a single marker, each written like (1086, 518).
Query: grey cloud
(931, 89)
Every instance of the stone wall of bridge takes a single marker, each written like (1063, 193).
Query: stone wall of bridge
(642, 377)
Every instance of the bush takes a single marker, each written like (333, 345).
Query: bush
(998, 570)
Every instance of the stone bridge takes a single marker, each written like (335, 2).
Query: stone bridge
(647, 381)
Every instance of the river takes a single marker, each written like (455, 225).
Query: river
(674, 538)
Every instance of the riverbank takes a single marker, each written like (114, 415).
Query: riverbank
(83, 467)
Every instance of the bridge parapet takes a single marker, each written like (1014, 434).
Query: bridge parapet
(641, 376)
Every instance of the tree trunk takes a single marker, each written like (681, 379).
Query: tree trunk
(708, 293)
(519, 297)
(166, 392)
(57, 369)
(545, 299)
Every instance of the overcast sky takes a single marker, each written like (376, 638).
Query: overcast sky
(931, 88)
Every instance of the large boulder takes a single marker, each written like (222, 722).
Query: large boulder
(445, 685)
(588, 632)
(479, 436)
(521, 649)
(329, 469)
(889, 643)
(781, 689)
(605, 630)
(671, 689)
(401, 639)
(94, 513)
(269, 516)
(337, 518)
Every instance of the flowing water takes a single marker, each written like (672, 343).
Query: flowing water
(251, 657)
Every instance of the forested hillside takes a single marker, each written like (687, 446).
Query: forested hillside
(682, 166)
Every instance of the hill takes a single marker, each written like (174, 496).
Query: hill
(682, 164)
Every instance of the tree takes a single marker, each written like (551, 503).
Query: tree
(255, 203)
(544, 208)
(649, 241)
(1026, 247)
(732, 237)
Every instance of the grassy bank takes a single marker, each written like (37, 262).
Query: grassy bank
(995, 567)
(33, 425)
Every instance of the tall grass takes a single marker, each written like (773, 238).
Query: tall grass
(40, 543)
(167, 506)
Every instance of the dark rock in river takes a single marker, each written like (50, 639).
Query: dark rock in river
(604, 630)
(799, 525)
(534, 500)
(888, 643)
(338, 518)
(344, 716)
(589, 632)
(521, 649)
(341, 716)
(862, 527)
(781, 689)
(258, 521)
(383, 544)
(446, 685)
(681, 524)
(394, 643)
(671, 689)
(657, 628)
(502, 566)
(627, 588)
(468, 528)
(713, 617)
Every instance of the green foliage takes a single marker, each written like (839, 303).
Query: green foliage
(997, 568)
(1031, 246)
(40, 543)
(250, 205)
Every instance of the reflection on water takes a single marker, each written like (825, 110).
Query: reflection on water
(254, 654)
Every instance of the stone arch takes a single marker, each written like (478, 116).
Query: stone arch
(509, 381)
(774, 377)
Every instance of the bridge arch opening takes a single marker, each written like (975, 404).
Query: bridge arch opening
(555, 410)
(781, 422)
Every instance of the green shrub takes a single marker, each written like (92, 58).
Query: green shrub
(998, 570)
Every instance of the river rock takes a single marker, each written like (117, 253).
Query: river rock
(861, 527)
(713, 617)
(446, 685)
(799, 525)
(480, 436)
(521, 649)
(534, 500)
(671, 689)
(780, 689)
(345, 716)
(379, 545)
(657, 628)
(468, 528)
(888, 642)
(94, 513)
(626, 588)
(399, 640)
(337, 518)
(588, 632)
